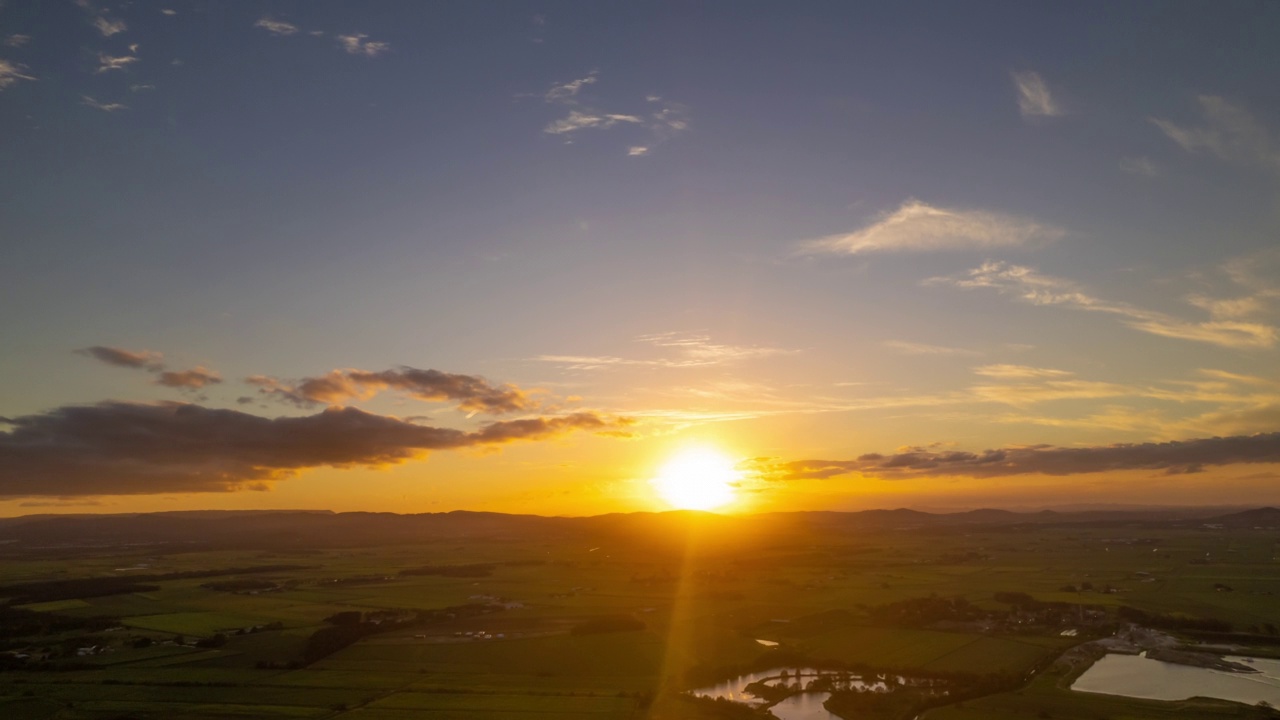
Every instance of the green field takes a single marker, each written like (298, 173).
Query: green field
(697, 620)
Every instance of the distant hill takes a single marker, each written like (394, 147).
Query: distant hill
(304, 529)
(1267, 517)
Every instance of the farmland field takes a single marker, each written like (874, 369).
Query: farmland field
(492, 626)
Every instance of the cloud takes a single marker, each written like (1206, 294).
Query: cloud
(1230, 133)
(130, 448)
(916, 226)
(354, 44)
(567, 92)
(1236, 307)
(472, 393)
(1030, 286)
(576, 121)
(661, 124)
(1049, 390)
(669, 121)
(1175, 457)
(913, 348)
(11, 73)
(105, 107)
(139, 359)
(168, 11)
(693, 350)
(17, 41)
(1255, 276)
(357, 45)
(192, 379)
(107, 63)
(1139, 166)
(61, 502)
(152, 362)
(699, 348)
(109, 27)
(275, 27)
(1034, 99)
(1019, 371)
(141, 87)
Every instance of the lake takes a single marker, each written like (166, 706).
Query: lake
(1141, 677)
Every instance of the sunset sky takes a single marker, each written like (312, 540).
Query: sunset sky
(420, 257)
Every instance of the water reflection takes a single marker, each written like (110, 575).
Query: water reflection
(805, 705)
(1142, 677)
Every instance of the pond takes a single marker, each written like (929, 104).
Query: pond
(804, 706)
(1141, 677)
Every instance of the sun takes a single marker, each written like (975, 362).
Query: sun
(697, 479)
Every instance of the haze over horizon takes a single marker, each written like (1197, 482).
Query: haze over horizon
(572, 259)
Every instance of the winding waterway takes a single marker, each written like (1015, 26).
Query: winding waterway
(803, 706)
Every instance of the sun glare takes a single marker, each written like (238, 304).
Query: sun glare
(697, 479)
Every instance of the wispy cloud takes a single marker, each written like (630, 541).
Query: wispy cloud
(107, 63)
(353, 44)
(1044, 390)
(1030, 286)
(126, 448)
(1229, 133)
(1139, 166)
(662, 123)
(1018, 371)
(915, 348)
(916, 226)
(1253, 287)
(62, 502)
(692, 350)
(11, 73)
(276, 27)
(357, 45)
(669, 120)
(576, 121)
(700, 348)
(109, 27)
(1034, 98)
(1177, 457)
(17, 41)
(567, 92)
(105, 107)
(1211, 402)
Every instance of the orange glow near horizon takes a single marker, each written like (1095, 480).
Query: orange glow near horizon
(698, 478)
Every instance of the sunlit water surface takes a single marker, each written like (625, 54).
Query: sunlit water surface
(805, 706)
(1141, 677)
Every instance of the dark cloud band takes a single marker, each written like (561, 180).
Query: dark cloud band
(1175, 457)
(131, 448)
(471, 392)
(141, 359)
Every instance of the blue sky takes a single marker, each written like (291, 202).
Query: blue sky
(794, 231)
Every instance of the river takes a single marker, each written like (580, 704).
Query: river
(804, 706)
